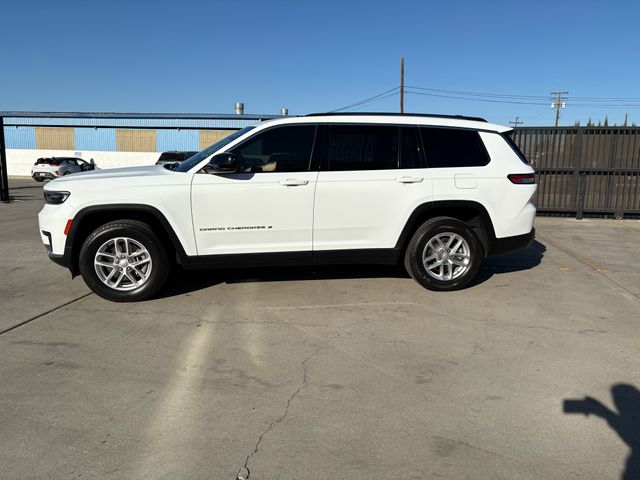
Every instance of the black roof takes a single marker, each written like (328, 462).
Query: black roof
(386, 114)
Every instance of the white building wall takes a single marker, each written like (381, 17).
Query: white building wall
(19, 162)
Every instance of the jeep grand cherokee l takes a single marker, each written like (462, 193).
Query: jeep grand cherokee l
(435, 193)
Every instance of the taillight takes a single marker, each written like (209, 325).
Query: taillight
(522, 178)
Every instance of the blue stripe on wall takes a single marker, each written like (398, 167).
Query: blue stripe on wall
(177, 140)
(20, 137)
(95, 139)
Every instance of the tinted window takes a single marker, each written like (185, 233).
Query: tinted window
(280, 149)
(409, 151)
(509, 138)
(171, 156)
(362, 147)
(448, 147)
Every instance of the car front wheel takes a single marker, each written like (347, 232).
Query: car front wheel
(444, 254)
(124, 261)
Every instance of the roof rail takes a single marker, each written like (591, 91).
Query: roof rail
(428, 115)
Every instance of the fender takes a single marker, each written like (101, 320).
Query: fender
(484, 228)
(71, 248)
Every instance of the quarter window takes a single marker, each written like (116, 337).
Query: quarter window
(280, 149)
(449, 147)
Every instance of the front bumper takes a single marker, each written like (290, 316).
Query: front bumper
(502, 246)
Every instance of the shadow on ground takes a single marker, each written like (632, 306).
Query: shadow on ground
(625, 422)
(184, 282)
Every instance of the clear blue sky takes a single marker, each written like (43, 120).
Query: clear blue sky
(202, 56)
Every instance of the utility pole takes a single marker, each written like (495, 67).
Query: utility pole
(516, 122)
(402, 85)
(558, 102)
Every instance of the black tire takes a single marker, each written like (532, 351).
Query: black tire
(39, 180)
(66, 173)
(430, 229)
(139, 232)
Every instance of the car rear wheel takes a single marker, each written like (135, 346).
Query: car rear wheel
(444, 254)
(124, 261)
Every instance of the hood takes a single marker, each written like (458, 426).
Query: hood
(111, 173)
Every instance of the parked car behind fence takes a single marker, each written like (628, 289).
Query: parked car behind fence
(50, 168)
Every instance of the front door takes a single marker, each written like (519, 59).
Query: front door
(267, 205)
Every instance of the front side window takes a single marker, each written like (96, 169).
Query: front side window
(200, 156)
(450, 147)
(280, 149)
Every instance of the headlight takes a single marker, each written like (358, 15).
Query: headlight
(55, 198)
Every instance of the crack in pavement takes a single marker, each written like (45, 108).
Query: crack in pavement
(40, 315)
(244, 473)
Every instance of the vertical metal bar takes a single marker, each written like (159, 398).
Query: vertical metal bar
(576, 163)
(608, 193)
(4, 175)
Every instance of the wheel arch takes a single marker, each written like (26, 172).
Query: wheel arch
(470, 212)
(90, 218)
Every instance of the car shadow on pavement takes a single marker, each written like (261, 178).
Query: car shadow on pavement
(513, 262)
(625, 421)
(184, 282)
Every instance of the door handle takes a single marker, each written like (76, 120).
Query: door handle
(409, 179)
(293, 182)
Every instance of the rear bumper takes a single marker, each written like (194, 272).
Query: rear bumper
(43, 175)
(502, 246)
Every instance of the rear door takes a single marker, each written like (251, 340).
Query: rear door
(371, 179)
(267, 205)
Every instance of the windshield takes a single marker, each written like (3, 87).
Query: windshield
(198, 157)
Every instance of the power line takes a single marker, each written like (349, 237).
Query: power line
(586, 100)
(513, 102)
(480, 94)
(366, 100)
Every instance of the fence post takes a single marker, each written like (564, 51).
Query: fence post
(577, 173)
(582, 190)
(4, 176)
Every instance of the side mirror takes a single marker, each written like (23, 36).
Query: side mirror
(92, 163)
(222, 162)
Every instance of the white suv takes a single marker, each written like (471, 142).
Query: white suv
(437, 193)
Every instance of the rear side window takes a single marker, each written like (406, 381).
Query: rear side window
(448, 147)
(372, 147)
(362, 147)
(280, 149)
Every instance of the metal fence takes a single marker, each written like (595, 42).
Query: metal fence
(584, 171)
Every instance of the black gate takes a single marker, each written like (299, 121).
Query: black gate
(584, 171)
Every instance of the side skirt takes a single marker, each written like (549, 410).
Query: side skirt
(379, 256)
